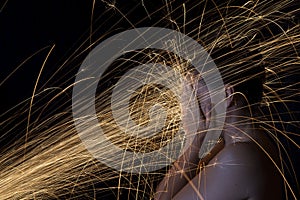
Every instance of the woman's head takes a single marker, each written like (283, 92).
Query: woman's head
(243, 70)
(243, 74)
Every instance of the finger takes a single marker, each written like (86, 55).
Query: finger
(193, 117)
(203, 97)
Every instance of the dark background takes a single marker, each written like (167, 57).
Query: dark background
(28, 26)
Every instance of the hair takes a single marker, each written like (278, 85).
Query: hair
(243, 69)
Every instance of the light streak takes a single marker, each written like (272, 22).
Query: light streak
(57, 164)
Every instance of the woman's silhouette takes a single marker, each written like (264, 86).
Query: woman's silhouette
(243, 164)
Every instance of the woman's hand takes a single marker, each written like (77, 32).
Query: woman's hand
(195, 109)
(194, 123)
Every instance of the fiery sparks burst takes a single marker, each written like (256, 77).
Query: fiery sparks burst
(49, 160)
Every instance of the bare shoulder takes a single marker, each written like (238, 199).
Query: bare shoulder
(238, 171)
(262, 155)
(245, 152)
(256, 161)
(250, 166)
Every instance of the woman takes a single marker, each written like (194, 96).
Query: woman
(243, 165)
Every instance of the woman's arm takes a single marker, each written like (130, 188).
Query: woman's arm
(182, 171)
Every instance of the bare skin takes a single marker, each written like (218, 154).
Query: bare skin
(245, 168)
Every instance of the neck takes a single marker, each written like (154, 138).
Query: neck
(240, 124)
